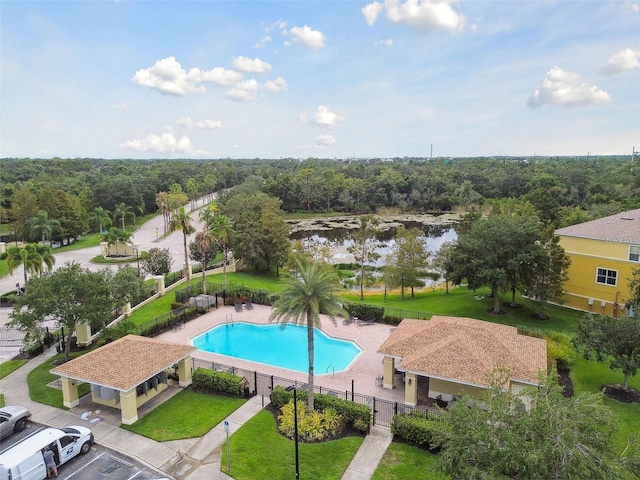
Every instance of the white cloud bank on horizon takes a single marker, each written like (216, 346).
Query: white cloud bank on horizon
(165, 143)
(250, 65)
(310, 38)
(209, 124)
(423, 15)
(565, 89)
(168, 76)
(621, 61)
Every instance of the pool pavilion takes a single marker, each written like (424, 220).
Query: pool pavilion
(126, 373)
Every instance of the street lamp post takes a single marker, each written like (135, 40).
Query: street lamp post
(156, 234)
(136, 249)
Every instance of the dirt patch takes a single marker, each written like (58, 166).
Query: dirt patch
(616, 392)
(513, 305)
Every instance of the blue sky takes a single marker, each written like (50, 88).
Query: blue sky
(214, 79)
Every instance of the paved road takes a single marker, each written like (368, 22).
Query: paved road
(100, 463)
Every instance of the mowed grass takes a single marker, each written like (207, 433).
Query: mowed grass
(39, 378)
(259, 452)
(402, 461)
(187, 414)
(9, 366)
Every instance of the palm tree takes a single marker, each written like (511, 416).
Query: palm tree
(221, 230)
(208, 214)
(182, 220)
(302, 299)
(43, 226)
(115, 236)
(99, 216)
(203, 243)
(162, 200)
(122, 211)
(34, 259)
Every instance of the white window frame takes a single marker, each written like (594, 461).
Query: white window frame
(607, 274)
(634, 253)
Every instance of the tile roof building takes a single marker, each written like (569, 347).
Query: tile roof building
(603, 253)
(451, 354)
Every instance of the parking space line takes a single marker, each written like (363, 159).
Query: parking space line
(85, 465)
(134, 475)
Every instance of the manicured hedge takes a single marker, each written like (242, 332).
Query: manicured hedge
(417, 430)
(357, 414)
(365, 312)
(211, 381)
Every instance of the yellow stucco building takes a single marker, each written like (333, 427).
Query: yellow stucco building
(604, 253)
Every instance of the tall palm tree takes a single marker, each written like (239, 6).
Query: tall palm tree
(302, 299)
(208, 214)
(42, 225)
(122, 211)
(115, 236)
(34, 259)
(182, 220)
(221, 229)
(162, 201)
(203, 243)
(99, 216)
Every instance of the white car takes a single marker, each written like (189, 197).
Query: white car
(13, 419)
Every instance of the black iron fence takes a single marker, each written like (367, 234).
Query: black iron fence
(263, 384)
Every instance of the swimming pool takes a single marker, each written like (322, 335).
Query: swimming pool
(284, 348)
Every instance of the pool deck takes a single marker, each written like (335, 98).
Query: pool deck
(363, 371)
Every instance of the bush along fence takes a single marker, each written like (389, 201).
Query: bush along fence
(381, 411)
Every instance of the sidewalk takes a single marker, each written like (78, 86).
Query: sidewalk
(190, 459)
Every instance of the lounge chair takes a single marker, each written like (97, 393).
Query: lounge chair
(247, 304)
(350, 320)
(365, 322)
(238, 307)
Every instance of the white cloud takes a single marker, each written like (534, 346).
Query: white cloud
(325, 117)
(622, 61)
(308, 37)
(262, 42)
(209, 124)
(371, 12)
(424, 15)
(168, 76)
(165, 143)
(278, 24)
(244, 91)
(275, 86)
(387, 43)
(250, 65)
(565, 89)
(325, 140)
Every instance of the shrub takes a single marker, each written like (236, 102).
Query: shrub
(365, 311)
(559, 348)
(356, 414)
(417, 430)
(210, 381)
(312, 426)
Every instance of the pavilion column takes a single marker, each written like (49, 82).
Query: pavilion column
(158, 281)
(83, 334)
(184, 372)
(411, 389)
(389, 372)
(129, 406)
(126, 310)
(70, 392)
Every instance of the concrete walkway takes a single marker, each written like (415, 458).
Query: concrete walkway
(190, 459)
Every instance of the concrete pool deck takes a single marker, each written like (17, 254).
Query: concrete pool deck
(363, 371)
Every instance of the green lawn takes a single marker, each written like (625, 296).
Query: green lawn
(9, 366)
(187, 414)
(259, 452)
(402, 461)
(39, 377)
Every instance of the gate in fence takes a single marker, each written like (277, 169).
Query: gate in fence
(262, 384)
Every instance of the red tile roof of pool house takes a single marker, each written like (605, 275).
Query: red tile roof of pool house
(124, 363)
(465, 350)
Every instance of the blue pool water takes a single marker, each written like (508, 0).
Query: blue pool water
(272, 345)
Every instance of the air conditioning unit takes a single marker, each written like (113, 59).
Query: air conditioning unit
(590, 301)
(603, 304)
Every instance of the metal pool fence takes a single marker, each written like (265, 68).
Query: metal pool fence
(262, 384)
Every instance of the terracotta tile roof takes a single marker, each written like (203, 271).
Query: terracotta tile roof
(124, 363)
(622, 227)
(465, 350)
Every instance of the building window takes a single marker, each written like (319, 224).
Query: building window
(634, 253)
(606, 276)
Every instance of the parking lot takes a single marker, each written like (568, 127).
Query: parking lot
(99, 464)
